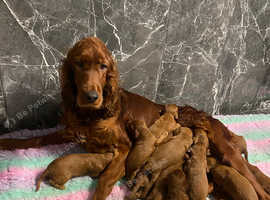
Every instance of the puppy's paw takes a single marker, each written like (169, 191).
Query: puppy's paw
(115, 152)
(130, 183)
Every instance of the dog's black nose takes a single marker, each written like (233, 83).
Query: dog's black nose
(92, 96)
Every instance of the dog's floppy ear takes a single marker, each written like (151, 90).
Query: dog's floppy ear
(68, 88)
(113, 76)
(111, 88)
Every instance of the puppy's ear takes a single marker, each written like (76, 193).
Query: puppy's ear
(68, 87)
(173, 109)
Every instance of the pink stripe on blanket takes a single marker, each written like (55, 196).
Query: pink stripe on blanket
(81, 195)
(259, 145)
(265, 167)
(117, 193)
(25, 178)
(19, 177)
(246, 126)
(50, 150)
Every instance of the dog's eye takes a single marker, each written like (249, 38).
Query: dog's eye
(79, 64)
(103, 66)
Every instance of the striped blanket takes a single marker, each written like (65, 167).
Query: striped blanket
(19, 168)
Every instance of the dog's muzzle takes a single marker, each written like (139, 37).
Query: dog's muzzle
(92, 96)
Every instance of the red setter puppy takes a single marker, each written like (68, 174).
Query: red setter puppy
(98, 110)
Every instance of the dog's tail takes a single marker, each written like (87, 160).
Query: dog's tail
(41, 178)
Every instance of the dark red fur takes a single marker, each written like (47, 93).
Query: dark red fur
(103, 126)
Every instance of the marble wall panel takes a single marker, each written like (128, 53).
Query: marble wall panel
(211, 54)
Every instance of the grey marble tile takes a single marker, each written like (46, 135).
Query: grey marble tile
(32, 97)
(213, 55)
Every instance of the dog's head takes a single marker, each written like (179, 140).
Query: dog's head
(89, 76)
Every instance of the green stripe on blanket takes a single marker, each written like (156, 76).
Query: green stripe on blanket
(19, 170)
(73, 186)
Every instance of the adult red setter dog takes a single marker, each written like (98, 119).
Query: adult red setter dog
(96, 108)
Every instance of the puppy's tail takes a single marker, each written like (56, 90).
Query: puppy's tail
(41, 178)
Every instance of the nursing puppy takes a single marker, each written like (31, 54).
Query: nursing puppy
(169, 185)
(197, 166)
(239, 143)
(166, 154)
(260, 176)
(66, 167)
(143, 148)
(166, 123)
(148, 139)
(177, 184)
(171, 152)
(231, 182)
